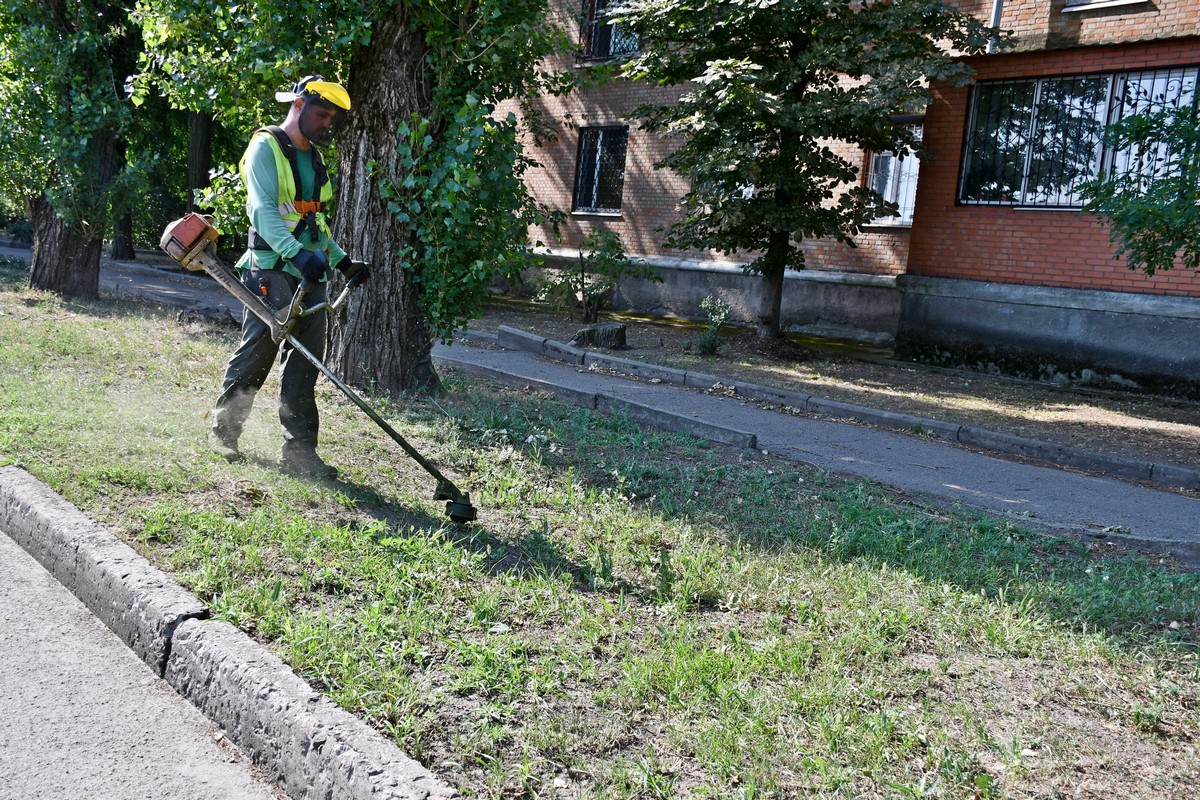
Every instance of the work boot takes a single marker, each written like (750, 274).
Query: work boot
(304, 463)
(225, 447)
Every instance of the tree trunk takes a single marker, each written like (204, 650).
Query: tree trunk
(771, 300)
(122, 242)
(382, 338)
(66, 256)
(199, 155)
(65, 259)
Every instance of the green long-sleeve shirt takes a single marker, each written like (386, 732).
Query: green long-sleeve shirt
(262, 207)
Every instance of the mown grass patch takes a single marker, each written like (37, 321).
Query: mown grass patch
(634, 614)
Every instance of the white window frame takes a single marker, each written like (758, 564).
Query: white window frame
(899, 186)
(1114, 106)
(1073, 6)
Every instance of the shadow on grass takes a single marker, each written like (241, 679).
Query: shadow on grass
(768, 504)
(532, 554)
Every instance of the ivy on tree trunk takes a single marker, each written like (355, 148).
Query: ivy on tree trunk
(382, 339)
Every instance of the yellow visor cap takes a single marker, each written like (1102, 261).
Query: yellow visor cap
(332, 93)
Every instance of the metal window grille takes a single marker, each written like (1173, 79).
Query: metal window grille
(895, 180)
(601, 39)
(1148, 93)
(1033, 142)
(600, 169)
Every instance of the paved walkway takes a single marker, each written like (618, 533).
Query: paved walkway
(1036, 496)
(82, 718)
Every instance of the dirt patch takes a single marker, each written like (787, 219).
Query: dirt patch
(1126, 424)
(1077, 742)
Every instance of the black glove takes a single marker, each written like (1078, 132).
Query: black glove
(312, 264)
(356, 272)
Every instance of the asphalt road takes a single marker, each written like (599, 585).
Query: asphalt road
(82, 718)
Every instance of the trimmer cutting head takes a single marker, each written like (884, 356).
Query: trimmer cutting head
(460, 510)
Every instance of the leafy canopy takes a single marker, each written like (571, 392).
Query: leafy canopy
(1154, 206)
(775, 87)
(454, 182)
(58, 89)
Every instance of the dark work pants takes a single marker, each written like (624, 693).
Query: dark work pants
(251, 363)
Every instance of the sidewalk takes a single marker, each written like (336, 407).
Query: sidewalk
(81, 717)
(1032, 495)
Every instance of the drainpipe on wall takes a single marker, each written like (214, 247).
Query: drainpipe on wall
(997, 10)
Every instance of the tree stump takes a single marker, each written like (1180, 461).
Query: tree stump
(610, 335)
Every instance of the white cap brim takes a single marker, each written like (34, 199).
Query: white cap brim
(286, 97)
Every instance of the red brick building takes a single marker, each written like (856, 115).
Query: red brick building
(991, 248)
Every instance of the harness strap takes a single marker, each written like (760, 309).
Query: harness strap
(307, 208)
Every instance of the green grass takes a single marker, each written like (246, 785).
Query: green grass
(635, 614)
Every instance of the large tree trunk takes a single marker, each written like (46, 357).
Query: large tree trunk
(122, 241)
(382, 338)
(65, 259)
(199, 155)
(771, 300)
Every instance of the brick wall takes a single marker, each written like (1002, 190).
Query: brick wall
(1038, 24)
(1033, 247)
(650, 195)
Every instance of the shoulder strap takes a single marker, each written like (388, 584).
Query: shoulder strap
(289, 152)
(320, 174)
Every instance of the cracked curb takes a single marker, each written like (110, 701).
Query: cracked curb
(301, 739)
(1164, 474)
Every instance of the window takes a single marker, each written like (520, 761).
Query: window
(600, 169)
(1033, 142)
(1096, 5)
(604, 40)
(895, 179)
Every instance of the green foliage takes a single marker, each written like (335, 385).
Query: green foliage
(464, 201)
(455, 184)
(227, 198)
(61, 98)
(1153, 207)
(772, 85)
(709, 342)
(462, 195)
(230, 58)
(602, 265)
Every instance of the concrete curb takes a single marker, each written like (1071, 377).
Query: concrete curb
(1063, 455)
(300, 738)
(309, 745)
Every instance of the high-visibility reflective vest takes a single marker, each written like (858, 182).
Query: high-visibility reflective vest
(298, 214)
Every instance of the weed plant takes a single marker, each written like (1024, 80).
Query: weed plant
(634, 614)
(708, 343)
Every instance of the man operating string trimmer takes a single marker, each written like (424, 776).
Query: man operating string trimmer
(288, 194)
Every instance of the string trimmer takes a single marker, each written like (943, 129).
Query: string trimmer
(192, 241)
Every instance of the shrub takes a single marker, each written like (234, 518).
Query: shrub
(602, 265)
